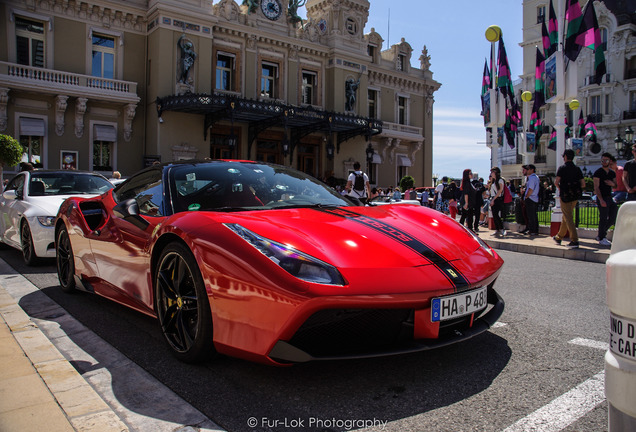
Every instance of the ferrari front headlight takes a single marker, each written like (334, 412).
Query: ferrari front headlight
(296, 263)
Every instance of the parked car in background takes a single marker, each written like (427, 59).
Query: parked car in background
(266, 263)
(384, 200)
(29, 205)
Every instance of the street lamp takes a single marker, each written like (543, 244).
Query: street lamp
(370, 152)
(624, 147)
(329, 147)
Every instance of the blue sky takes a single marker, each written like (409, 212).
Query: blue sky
(453, 33)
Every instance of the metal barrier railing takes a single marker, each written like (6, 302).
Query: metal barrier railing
(586, 214)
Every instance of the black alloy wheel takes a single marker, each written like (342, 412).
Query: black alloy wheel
(28, 250)
(182, 306)
(65, 261)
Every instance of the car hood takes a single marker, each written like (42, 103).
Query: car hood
(373, 239)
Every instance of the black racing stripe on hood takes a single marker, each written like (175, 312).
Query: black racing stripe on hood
(451, 273)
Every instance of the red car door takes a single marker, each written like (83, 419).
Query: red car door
(121, 247)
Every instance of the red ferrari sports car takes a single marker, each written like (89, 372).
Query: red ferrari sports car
(266, 263)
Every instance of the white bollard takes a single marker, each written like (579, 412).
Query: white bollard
(620, 359)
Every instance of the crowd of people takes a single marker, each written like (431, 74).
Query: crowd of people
(613, 184)
(472, 199)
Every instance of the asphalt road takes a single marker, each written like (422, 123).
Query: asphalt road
(526, 371)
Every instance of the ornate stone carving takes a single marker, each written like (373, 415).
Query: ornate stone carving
(80, 110)
(429, 101)
(129, 115)
(425, 59)
(188, 57)
(60, 109)
(227, 9)
(415, 147)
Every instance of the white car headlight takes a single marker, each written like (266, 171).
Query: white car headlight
(294, 262)
(47, 221)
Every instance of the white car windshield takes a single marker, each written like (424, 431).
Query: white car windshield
(66, 183)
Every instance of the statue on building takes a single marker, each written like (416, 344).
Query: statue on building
(252, 5)
(425, 59)
(188, 56)
(292, 11)
(351, 88)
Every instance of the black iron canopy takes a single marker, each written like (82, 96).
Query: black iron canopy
(262, 115)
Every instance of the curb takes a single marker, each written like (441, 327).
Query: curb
(84, 409)
(581, 254)
(113, 394)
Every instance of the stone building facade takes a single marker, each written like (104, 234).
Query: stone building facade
(116, 85)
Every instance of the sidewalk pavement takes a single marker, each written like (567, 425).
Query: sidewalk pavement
(543, 244)
(41, 390)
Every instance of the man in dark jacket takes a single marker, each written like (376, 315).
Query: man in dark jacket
(569, 180)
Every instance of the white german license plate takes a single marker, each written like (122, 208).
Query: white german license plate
(457, 305)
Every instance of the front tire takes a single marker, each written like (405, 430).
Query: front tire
(182, 306)
(65, 262)
(26, 240)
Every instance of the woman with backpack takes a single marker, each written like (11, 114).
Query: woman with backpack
(496, 187)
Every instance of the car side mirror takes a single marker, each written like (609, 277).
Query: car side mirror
(128, 210)
(9, 194)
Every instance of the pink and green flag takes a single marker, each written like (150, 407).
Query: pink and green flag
(553, 32)
(573, 19)
(539, 81)
(504, 80)
(581, 124)
(552, 144)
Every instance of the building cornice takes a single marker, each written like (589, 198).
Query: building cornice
(117, 15)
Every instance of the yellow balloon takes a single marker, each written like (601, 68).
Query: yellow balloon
(493, 33)
(574, 104)
(526, 96)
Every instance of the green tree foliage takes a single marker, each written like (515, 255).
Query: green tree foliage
(406, 182)
(10, 152)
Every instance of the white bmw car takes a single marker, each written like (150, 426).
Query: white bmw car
(29, 205)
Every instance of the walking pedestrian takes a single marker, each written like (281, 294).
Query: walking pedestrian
(358, 184)
(619, 193)
(629, 176)
(470, 210)
(604, 181)
(496, 187)
(442, 196)
(531, 200)
(522, 216)
(570, 183)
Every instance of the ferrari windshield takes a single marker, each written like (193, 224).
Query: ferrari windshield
(229, 185)
(66, 183)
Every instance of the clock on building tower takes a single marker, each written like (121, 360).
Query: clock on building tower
(272, 9)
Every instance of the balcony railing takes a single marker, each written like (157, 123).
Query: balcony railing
(396, 127)
(538, 159)
(55, 81)
(629, 115)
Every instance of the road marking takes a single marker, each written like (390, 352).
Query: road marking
(569, 407)
(498, 324)
(590, 343)
(566, 409)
